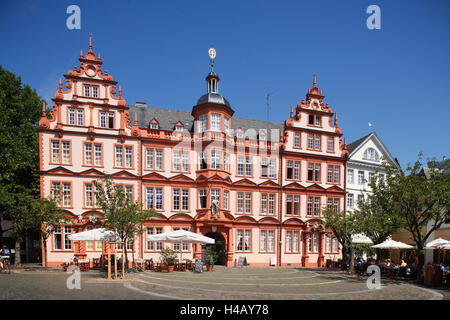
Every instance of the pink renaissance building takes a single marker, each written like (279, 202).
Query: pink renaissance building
(258, 188)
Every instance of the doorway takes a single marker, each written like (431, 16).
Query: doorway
(219, 247)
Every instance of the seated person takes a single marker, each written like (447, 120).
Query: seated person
(403, 264)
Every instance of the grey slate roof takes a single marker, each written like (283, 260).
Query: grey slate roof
(355, 144)
(213, 98)
(167, 119)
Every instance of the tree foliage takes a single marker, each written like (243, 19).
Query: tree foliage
(46, 217)
(422, 198)
(121, 214)
(19, 157)
(343, 226)
(376, 215)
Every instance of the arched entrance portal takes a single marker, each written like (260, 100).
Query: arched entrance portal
(219, 246)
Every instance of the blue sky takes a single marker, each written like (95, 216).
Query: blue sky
(398, 77)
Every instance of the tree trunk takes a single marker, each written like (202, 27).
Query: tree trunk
(45, 252)
(125, 259)
(352, 260)
(420, 264)
(1, 231)
(17, 253)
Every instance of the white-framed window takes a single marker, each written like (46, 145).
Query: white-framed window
(350, 176)
(67, 194)
(272, 168)
(57, 238)
(153, 125)
(226, 125)
(176, 199)
(159, 159)
(240, 240)
(248, 202)
(316, 241)
(150, 158)
(288, 241)
(297, 140)
(225, 199)
(248, 240)
(371, 154)
(216, 159)
(350, 200)
(330, 144)
(176, 160)
(65, 152)
(67, 242)
(297, 170)
(328, 242)
(310, 141)
(88, 195)
(361, 177)
(264, 167)
(88, 154)
(317, 142)
(203, 160)
(271, 241)
(111, 120)
(263, 203)
(72, 116)
(240, 202)
(185, 161)
(215, 122)
(80, 117)
(202, 198)
(272, 204)
(95, 91)
(98, 157)
(295, 241)
(151, 245)
(309, 210)
(119, 156)
(87, 91)
(240, 166)
(102, 119)
(248, 166)
(263, 241)
(203, 123)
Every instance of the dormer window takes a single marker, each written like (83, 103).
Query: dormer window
(179, 128)
(262, 136)
(371, 154)
(154, 124)
(239, 134)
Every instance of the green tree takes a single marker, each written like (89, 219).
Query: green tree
(376, 216)
(19, 157)
(46, 217)
(121, 214)
(343, 226)
(422, 198)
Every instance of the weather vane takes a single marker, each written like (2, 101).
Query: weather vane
(212, 55)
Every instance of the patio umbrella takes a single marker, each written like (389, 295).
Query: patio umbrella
(361, 238)
(391, 244)
(100, 234)
(181, 235)
(438, 244)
